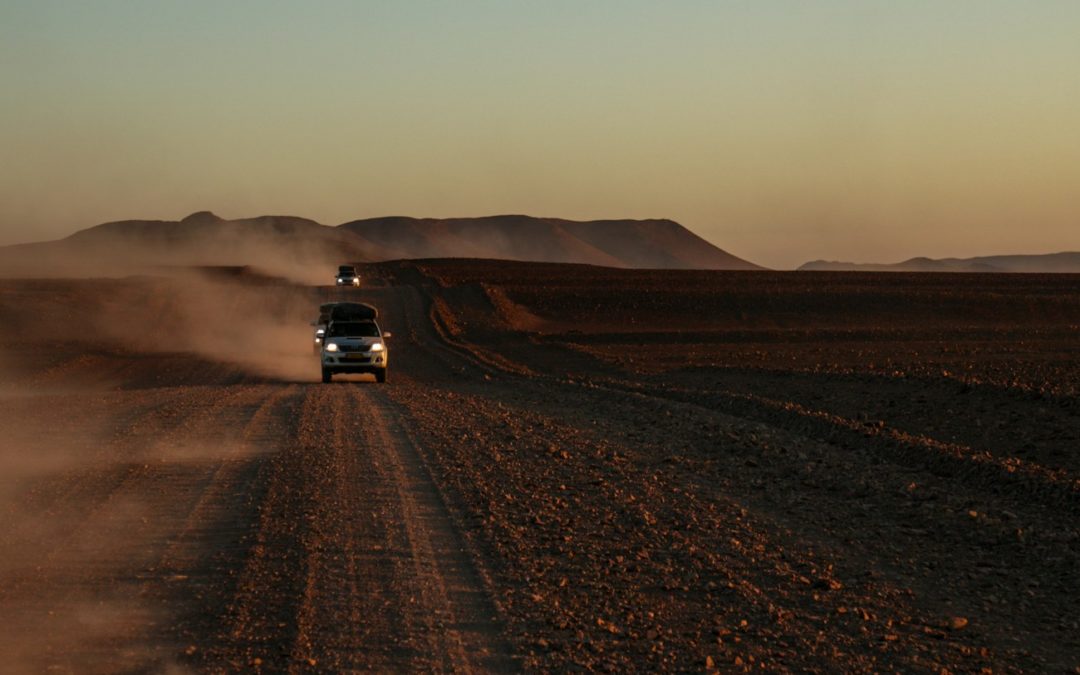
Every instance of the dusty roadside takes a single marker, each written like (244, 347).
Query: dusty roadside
(518, 498)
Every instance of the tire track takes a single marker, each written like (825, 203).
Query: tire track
(348, 616)
(455, 613)
(106, 585)
(354, 562)
(196, 573)
(1024, 482)
(129, 453)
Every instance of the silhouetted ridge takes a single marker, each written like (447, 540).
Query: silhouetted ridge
(203, 238)
(201, 218)
(1066, 262)
(613, 243)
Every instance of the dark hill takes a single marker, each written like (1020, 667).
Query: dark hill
(612, 243)
(303, 249)
(1048, 263)
(284, 245)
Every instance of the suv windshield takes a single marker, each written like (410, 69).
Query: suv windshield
(354, 329)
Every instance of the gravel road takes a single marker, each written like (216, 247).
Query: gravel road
(494, 510)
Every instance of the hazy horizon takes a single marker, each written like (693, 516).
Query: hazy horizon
(779, 132)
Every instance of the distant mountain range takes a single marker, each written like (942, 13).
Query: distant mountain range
(303, 249)
(614, 243)
(1068, 262)
(274, 242)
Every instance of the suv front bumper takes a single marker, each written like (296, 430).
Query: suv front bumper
(354, 362)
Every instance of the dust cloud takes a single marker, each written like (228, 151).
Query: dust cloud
(55, 537)
(86, 340)
(257, 324)
(89, 254)
(102, 379)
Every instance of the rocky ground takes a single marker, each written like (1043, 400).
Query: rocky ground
(571, 468)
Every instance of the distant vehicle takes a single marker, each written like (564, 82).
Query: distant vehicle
(353, 341)
(346, 276)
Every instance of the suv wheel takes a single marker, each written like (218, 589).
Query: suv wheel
(326, 375)
(380, 375)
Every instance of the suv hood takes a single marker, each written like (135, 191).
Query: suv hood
(354, 342)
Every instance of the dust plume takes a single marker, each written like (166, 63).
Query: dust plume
(80, 537)
(235, 317)
(295, 249)
(108, 385)
(258, 324)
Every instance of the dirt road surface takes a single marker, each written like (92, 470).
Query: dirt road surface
(183, 495)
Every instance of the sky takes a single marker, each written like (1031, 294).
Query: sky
(781, 131)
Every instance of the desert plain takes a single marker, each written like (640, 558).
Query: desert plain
(571, 468)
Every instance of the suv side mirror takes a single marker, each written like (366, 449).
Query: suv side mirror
(387, 334)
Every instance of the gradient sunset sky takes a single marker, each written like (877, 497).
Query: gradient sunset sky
(780, 131)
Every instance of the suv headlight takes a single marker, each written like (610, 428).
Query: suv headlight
(377, 347)
(332, 347)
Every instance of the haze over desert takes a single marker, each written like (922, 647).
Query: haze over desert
(473, 337)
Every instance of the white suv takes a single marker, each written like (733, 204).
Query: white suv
(354, 346)
(347, 278)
